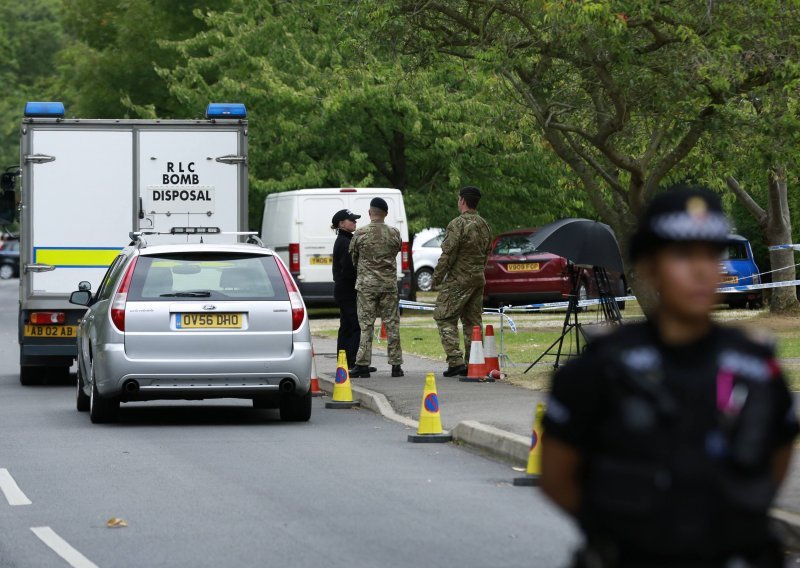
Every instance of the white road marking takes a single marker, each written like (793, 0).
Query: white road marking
(11, 490)
(62, 548)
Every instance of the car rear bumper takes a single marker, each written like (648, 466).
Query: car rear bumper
(115, 372)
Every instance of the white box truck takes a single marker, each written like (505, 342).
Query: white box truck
(87, 184)
(297, 226)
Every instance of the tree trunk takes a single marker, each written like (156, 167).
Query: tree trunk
(778, 231)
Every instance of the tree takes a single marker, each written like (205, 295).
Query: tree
(622, 90)
(328, 108)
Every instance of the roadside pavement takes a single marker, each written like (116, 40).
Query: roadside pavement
(502, 407)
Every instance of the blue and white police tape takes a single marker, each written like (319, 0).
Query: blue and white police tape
(745, 288)
(784, 247)
(421, 306)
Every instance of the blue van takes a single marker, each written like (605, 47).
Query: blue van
(738, 268)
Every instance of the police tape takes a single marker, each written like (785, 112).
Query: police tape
(784, 247)
(531, 308)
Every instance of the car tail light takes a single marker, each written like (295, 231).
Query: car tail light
(295, 299)
(404, 264)
(121, 298)
(40, 318)
(294, 258)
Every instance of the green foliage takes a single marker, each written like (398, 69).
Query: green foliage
(327, 109)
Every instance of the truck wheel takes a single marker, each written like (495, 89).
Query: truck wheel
(424, 278)
(6, 272)
(296, 408)
(29, 375)
(81, 398)
(102, 410)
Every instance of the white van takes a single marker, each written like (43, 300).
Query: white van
(297, 226)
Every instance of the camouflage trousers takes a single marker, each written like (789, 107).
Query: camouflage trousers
(373, 303)
(453, 303)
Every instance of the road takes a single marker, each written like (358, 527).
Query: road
(221, 484)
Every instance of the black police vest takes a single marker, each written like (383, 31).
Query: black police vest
(679, 461)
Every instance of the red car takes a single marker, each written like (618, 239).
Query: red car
(517, 274)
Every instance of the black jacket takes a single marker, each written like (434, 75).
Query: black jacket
(344, 273)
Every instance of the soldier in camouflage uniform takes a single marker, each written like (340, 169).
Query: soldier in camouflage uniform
(374, 250)
(459, 274)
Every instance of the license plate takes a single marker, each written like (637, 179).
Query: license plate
(524, 267)
(51, 330)
(208, 321)
(730, 280)
(317, 260)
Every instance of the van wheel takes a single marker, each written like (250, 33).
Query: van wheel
(102, 410)
(81, 398)
(424, 279)
(296, 408)
(29, 375)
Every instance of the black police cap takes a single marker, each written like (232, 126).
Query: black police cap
(379, 203)
(343, 214)
(470, 191)
(680, 214)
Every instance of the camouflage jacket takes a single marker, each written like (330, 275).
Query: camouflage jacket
(465, 249)
(374, 250)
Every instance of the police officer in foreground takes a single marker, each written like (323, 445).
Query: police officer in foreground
(460, 279)
(374, 249)
(668, 439)
(344, 284)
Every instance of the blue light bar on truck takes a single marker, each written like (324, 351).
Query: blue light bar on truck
(226, 110)
(44, 110)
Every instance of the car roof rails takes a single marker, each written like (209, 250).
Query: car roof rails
(137, 239)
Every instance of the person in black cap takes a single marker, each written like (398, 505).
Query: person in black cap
(668, 439)
(344, 284)
(374, 249)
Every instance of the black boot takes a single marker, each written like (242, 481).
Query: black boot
(352, 369)
(360, 372)
(459, 371)
(397, 371)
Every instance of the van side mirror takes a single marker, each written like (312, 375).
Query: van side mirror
(8, 206)
(80, 298)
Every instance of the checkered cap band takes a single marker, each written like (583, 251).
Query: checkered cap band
(683, 226)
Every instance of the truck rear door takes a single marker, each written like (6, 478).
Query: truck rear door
(191, 178)
(81, 206)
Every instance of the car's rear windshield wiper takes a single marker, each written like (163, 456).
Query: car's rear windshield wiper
(197, 294)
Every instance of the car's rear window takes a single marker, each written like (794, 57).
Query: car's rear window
(513, 245)
(735, 251)
(214, 276)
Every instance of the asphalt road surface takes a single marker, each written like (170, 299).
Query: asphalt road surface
(220, 484)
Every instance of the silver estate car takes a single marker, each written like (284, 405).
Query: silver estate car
(194, 321)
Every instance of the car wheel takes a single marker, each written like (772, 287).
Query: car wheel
(81, 398)
(424, 278)
(296, 408)
(6, 272)
(29, 375)
(102, 410)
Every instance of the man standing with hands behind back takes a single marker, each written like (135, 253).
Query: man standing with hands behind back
(459, 274)
(374, 249)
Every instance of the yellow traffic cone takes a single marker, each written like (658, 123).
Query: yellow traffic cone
(534, 468)
(342, 391)
(430, 422)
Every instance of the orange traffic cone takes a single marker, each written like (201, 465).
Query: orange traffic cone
(315, 390)
(490, 351)
(383, 332)
(342, 391)
(476, 370)
(430, 422)
(534, 468)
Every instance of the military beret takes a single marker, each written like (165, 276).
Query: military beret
(379, 203)
(343, 214)
(680, 214)
(470, 191)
